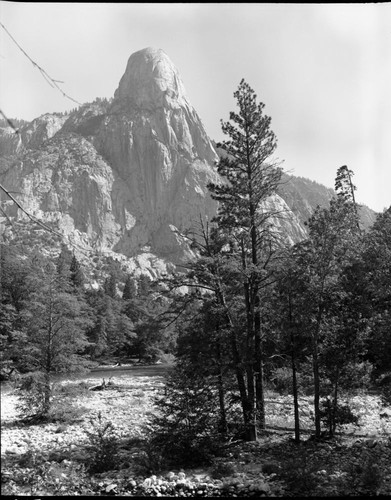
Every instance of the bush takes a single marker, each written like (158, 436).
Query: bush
(103, 446)
(333, 416)
(73, 390)
(150, 460)
(223, 469)
(300, 475)
(33, 390)
(184, 428)
(281, 379)
(356, 375)
(64, 412)
(365, 477)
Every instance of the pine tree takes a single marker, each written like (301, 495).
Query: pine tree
(345, 189)
(184, 428)
(143, 285)
(251, 177)
(110, 285)
(332, 244)
(63, 262)
(130, 289)
(372, 281)
(55, 326)
(76, 273)
(344, 186)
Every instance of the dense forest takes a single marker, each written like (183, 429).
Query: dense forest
(247, 314)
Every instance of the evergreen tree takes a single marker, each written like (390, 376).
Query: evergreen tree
(63, 262)
(76, 273)
(130, 289)
(289, 310)
(332, 244)
(345, 189)
(55, 326)
(372, 280)
(344, 186)
(144, 285)
(110, 285)
(184, 427)
(14, 293)
(250, 178)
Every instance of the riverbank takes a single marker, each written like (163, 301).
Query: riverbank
(51, 458)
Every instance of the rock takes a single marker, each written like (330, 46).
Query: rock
(147, 483)
(371, 443)
(125, 177)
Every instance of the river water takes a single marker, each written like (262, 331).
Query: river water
(118, 371)
(105, 373)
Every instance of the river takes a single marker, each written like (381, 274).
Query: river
(105, 373)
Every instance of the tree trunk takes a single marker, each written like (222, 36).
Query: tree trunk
(223, 426)
(251, 419)
(47, 394)
(335, 403)
(258, 368)
(315, 366)
(295, 392)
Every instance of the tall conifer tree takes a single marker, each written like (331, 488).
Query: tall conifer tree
(249, 177)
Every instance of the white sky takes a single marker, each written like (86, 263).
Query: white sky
(322, 70)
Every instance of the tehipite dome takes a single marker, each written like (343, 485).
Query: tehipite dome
(151, 79)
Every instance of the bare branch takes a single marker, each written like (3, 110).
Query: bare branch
(49, 79)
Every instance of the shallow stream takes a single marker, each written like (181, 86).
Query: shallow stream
(104, 373)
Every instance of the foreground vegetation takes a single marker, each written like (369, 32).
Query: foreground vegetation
(102, 446)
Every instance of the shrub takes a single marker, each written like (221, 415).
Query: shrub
(356, 375)
(103, 447)
(300, 475)
(371, 477)
(333, 416)
(185, 425)
(73, 390)
(365, 477)
(33, 390)
(282, 380)
(270, 468)
(150, 460)
(63, 411)
(223, 469)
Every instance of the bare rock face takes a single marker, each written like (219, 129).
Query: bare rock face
(286, 225)
(31, 135)
(68, 183)
(128, 174)
(157, 145)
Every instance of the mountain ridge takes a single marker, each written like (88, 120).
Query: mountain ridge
(127, 175)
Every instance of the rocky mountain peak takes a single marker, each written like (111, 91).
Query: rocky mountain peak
(151, 81)
(126, 176)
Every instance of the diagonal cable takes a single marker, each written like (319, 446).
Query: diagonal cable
(49, 79)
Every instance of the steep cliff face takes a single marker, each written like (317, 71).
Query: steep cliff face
(66, 182)
(31, 135)
(157, 145)
(122, 175)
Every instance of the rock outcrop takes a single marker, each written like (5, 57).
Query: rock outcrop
(127, 176)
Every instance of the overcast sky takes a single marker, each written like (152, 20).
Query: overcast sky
(323, 71)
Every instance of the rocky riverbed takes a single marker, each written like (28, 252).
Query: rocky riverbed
(51, 458)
